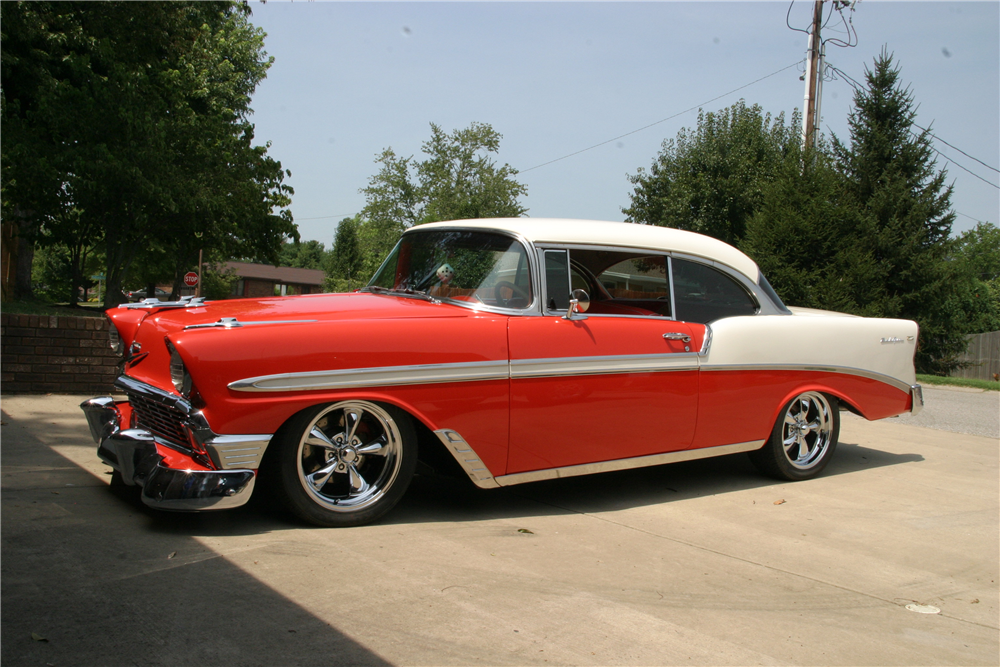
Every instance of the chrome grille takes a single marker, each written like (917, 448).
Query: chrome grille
(160, 420)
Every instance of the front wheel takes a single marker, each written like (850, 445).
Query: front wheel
(802, 440)
(346, 463)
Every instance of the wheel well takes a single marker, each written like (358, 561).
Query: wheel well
(430, 450)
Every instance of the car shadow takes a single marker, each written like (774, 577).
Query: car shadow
(90, 577)
(434, 498)
(441, 498)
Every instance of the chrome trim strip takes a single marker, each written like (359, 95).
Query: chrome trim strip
(706, 344)
(628, 363)
(230, 452)
(233, 323)
(376, 377)
(916, 399)
(627, 464)
(467, 458)
(844, 370)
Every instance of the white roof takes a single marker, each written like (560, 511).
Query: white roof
(594, 232)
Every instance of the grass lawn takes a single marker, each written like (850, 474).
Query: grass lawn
(959, 382)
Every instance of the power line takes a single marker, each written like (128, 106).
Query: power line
(948, 159)
(646, 127)
(956, 148)
(327, 217)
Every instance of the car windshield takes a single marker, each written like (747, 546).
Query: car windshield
(459, 265)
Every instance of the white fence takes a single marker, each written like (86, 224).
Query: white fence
(982, 357)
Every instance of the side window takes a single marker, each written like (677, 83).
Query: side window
(637, 278)
(557, 280)
(704, 294)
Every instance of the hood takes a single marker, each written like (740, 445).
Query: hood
(314, 307)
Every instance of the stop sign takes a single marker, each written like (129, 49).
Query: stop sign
(190, 278)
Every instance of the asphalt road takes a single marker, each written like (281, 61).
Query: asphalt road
(698, 563)
(959, 410)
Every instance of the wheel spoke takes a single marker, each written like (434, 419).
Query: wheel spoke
(319, 478)
(358, 483)
(319, 439)
(376, 447)
(352, 417)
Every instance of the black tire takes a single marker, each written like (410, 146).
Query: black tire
(345, 463)
(803, 438)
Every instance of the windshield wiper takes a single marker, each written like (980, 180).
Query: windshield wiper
(409, 291)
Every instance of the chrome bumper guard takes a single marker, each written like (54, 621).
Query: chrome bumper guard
(916, 399)
(133, 453)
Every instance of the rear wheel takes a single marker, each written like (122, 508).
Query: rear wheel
(802, 440)
(346, 463)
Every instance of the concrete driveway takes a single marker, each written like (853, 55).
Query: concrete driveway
(700, 563)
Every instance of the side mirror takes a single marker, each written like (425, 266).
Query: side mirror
(579, 302)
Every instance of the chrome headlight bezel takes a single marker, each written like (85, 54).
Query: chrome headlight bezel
(115, 339)
(179, 375)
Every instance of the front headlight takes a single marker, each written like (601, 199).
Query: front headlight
(178, 373)
(114, 339)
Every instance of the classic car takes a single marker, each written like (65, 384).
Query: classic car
(512, 350)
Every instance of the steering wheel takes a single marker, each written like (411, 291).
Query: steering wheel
(515, 291)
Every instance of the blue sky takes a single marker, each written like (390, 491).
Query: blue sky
(350, 79)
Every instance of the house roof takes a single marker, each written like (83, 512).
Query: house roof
(279, 274)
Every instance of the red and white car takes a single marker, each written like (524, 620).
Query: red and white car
(517, 349)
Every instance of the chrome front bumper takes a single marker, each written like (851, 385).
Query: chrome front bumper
(134, 453)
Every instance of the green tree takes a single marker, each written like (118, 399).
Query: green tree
(136, 114)
(977, 254)
(458, 180)
(303, 255)
(712, 180)
(905, 215)
(345, 263)
(804, 236)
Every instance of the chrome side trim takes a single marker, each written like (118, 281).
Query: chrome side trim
(706, 345)
(630, 363)
(627, 464)
(467, 458)
(844, 370)
(376, 377)
(233, 323)
(230, 452)
(917, 399)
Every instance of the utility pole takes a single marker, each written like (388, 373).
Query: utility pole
(814, 77)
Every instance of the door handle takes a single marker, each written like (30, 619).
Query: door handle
(677, 336)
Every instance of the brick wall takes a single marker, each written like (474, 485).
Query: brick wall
(42, 354)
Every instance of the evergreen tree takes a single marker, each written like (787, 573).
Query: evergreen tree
(804, 238)
(344, 271)
(905, 217)
(712, 180)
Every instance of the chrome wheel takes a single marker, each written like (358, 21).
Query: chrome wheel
(345, 463)
(802, 440)
(349, 455)
(807, 431)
